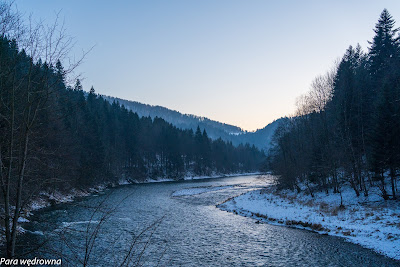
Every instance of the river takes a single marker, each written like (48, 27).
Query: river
(180, 226)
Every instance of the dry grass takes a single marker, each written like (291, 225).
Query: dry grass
(346, 233)
(310, 203)
(335, 211)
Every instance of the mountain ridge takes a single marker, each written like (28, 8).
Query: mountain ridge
(260, 138)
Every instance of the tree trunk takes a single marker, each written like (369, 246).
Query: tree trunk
(18, 205)
(6, 190)
(392, 180)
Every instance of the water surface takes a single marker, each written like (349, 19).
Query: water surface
(182, 230)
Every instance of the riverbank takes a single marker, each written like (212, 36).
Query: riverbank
(191, 223)
(193, 177)
(49, 198)
(46, 198)
(368, 221)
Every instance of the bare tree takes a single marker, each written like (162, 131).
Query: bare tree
(24, 93)
(319, 95)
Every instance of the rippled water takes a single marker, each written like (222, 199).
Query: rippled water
(189, 231)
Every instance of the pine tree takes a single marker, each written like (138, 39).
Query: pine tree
(384, 46)
(384, 70)
(78, 85)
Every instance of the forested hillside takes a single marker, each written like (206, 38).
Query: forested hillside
(214, 129)
(260, 138)
(347, 129)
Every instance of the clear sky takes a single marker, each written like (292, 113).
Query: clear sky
(238, 62)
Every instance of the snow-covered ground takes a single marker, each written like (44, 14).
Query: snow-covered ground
(45, 199)
(258, 183)
(198, 190)
(194, 177)
(368, 221)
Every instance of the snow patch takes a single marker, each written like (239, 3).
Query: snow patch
(23, 220)
(69, 224)
(197, 190)
(190, 176)
(35, 232)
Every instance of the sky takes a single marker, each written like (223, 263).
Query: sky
(239, 62)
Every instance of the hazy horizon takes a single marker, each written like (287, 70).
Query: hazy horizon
(240, 63)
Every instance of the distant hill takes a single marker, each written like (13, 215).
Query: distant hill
(260, 138)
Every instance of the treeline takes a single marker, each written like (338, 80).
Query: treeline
(347, 128)
(183, 121)
(113, 143)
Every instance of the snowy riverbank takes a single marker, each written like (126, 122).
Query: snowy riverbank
(46, 199)
(368, 221)
(193, 177)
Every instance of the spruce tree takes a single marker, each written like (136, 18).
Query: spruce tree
(384, 46)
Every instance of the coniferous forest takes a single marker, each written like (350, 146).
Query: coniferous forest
(347, 128)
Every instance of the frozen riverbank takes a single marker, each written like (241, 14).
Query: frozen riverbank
(190, 177)
(46, 199)
(49, 198)
(368, 221)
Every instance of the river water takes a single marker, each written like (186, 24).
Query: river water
(178, 224)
